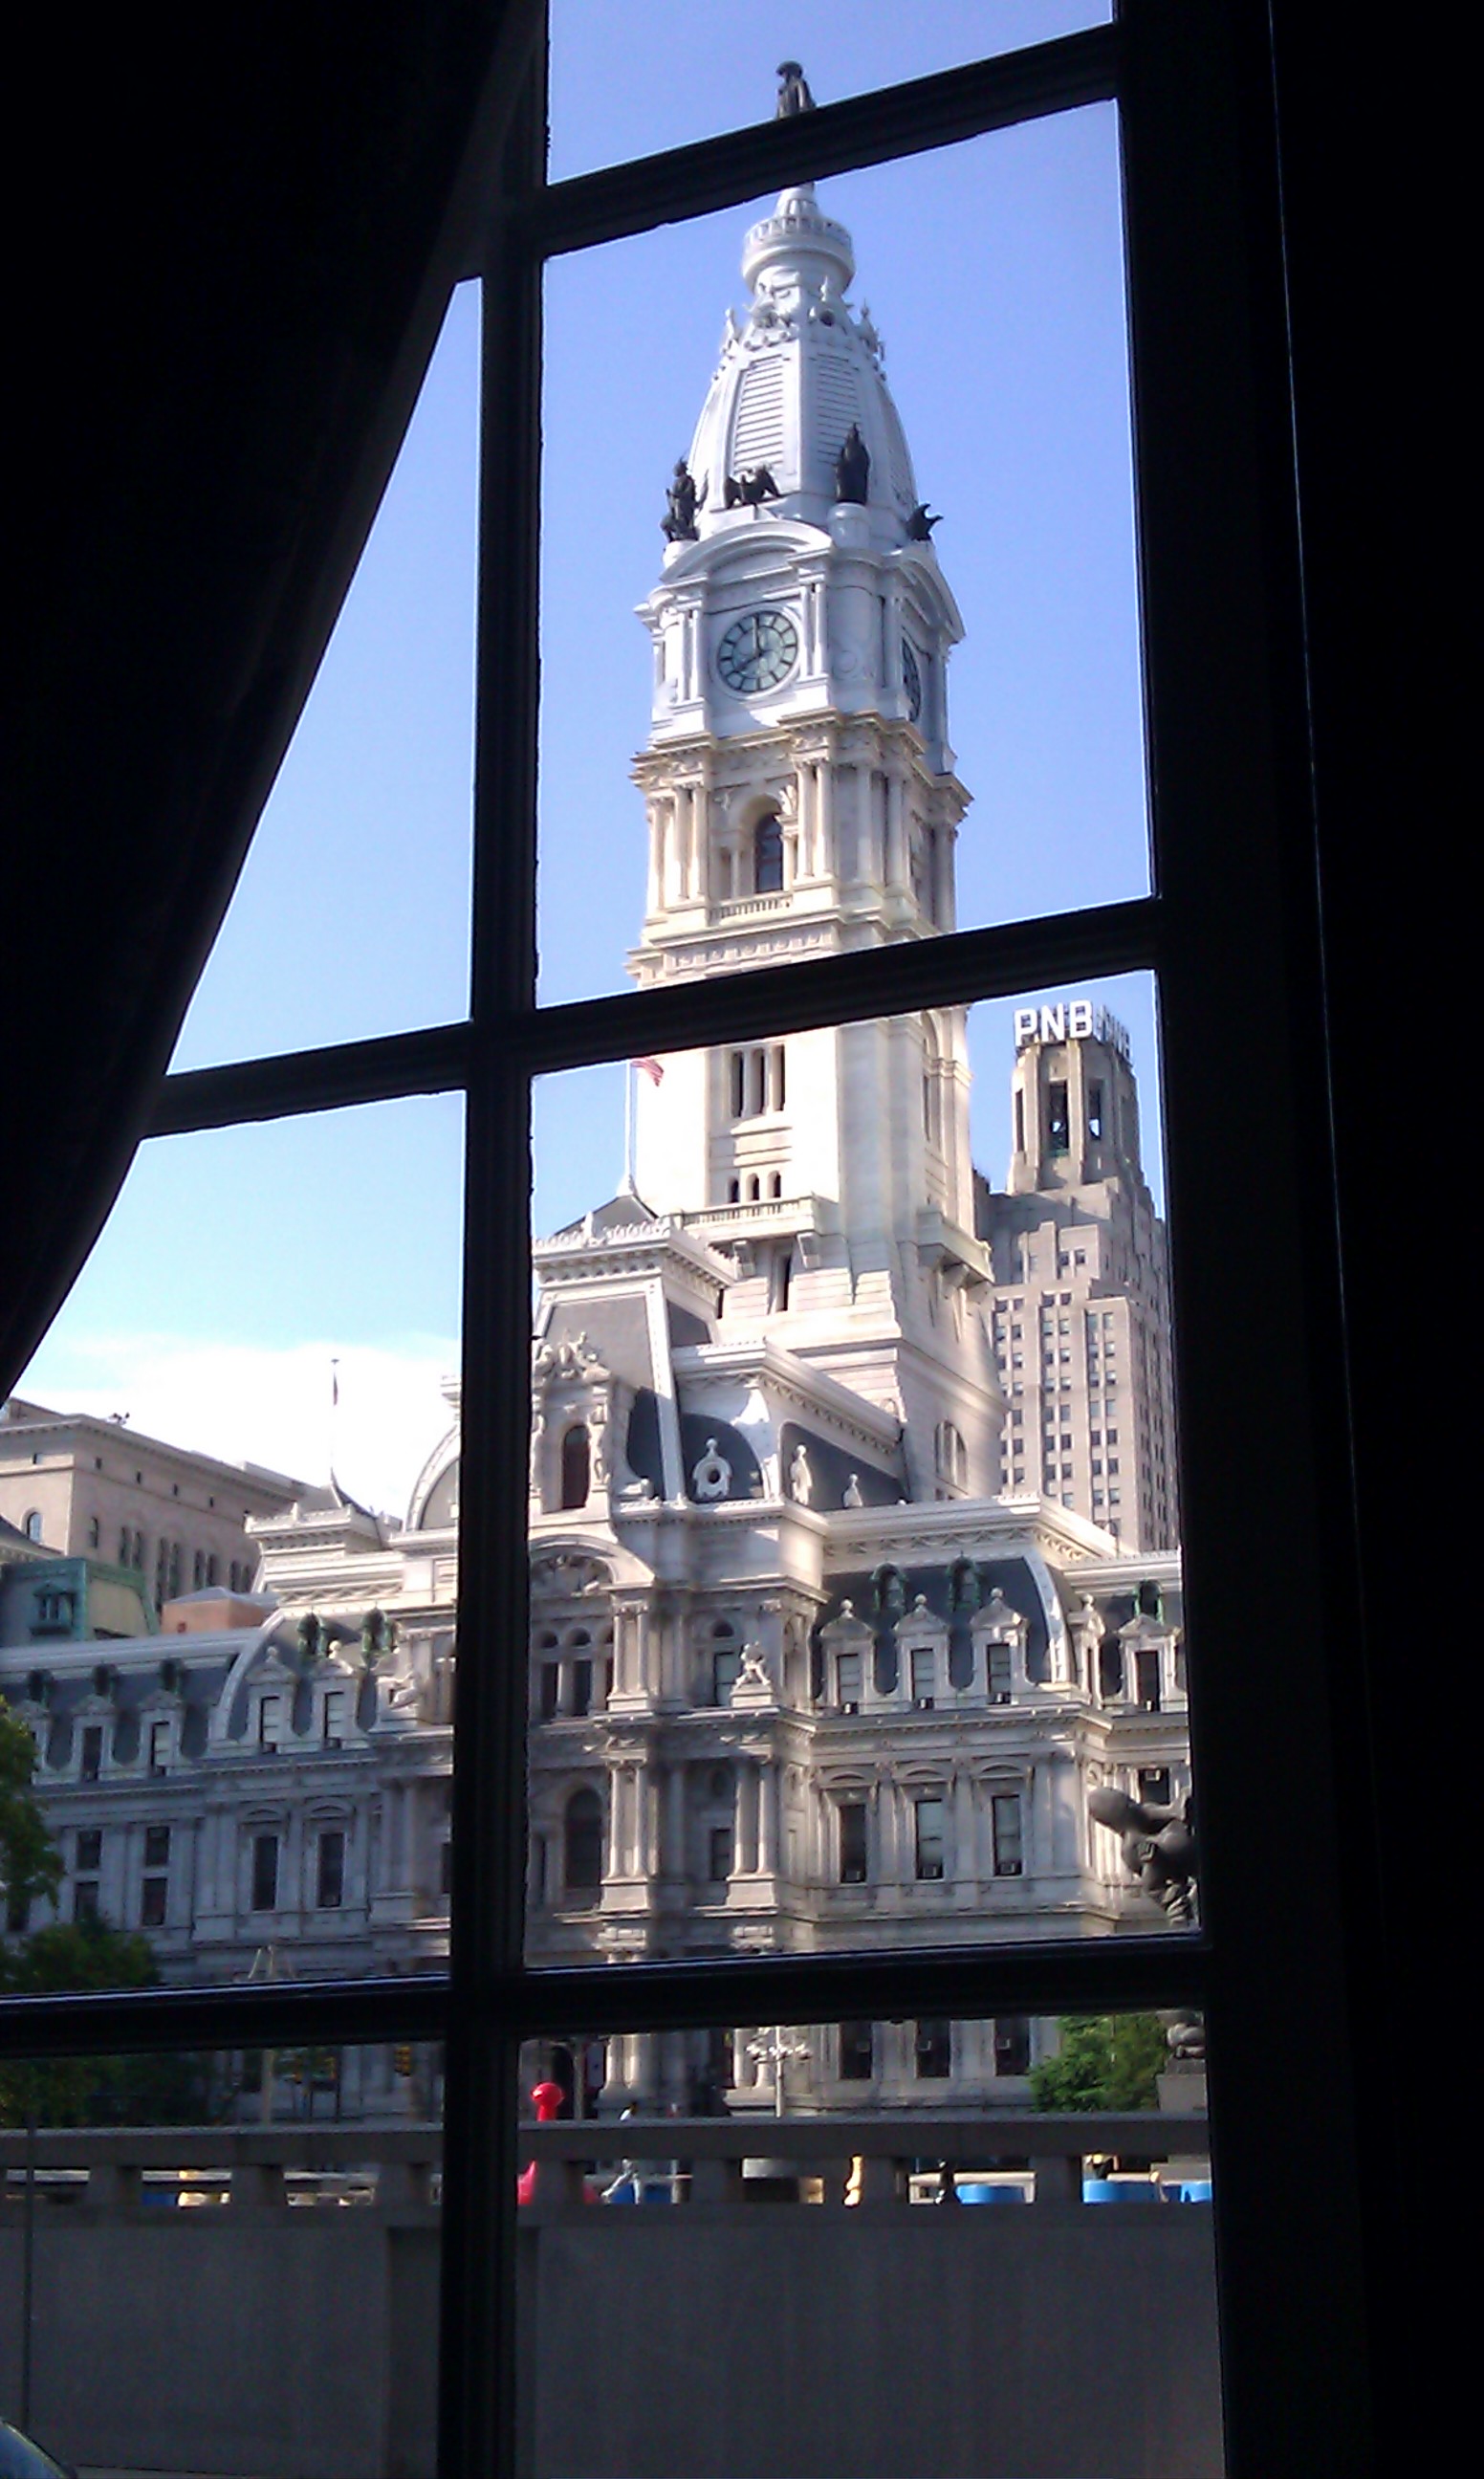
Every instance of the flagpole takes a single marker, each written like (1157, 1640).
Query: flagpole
(629, 1188)
(334, 1408)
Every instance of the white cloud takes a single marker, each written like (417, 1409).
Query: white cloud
(249, 1403)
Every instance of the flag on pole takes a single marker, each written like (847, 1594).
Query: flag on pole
(651, 1069)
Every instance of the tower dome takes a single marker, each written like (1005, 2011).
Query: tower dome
(796, 376)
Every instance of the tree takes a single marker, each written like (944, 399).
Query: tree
(72, 1955)
(1105, 2061)
(29, 1864)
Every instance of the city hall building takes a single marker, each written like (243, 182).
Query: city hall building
(852, 1490)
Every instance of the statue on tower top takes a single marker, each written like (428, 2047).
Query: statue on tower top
(793, 92)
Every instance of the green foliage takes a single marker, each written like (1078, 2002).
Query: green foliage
(29, 1864)
(73, 1955)
(1105, 2061)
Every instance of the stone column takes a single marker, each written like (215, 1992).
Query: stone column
(614, 1863)
(898, 866)
(655, 884)
(673, 1855)
(746, 1862)
(768, 1819)
(1040, 1821)
(888, 1870)
(702, 877)
(1065, 1809)
(829, 822)
(965, 1851)
(867, 858)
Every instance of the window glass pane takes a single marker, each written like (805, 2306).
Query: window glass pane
(181, 2227)
(246, 1778)
(630, 81)
(880, 2335)
(842, 1470)
(845, 735)
(351, 916)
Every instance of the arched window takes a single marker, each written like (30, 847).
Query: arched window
(577, 1466)
(768, 856)
(952, 1456)
(32, 1526)
(582, 1841)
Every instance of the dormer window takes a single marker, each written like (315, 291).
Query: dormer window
(269, 1721)
(55, 1611)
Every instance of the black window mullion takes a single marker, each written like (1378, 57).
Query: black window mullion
(1251, 1208)
(962, 968)
(955, 970)
(859, 129)
(1093, 1974)
(265, 2015)
(335, 1076)
(477, 2359)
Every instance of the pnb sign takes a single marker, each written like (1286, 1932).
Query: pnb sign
(1070, 1021)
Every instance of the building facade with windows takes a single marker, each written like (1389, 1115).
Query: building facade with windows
(1080, 1288)
(814, 1664)
(90, 1486)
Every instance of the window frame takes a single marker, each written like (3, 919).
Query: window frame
(1235, 912)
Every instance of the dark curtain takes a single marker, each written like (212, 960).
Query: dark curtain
(236, 240)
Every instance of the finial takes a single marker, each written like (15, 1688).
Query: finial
(793, 93)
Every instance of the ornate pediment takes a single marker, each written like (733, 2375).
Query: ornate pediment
(569, 1573)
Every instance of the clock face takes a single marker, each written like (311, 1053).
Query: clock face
(912, 681)
(758, 652)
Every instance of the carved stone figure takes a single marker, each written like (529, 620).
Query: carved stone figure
(853, 1497)
(1159, 1847)
(750, 489)
(1185, 2037)
(853, 469)
(313, 1636)
(755, 1670)
(793, 93)
(801, 1480)
(684, 502)
(919, 524)
(711, 1477)
(378, 1635)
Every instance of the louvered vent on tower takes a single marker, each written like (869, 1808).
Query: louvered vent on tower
(837, 404)
(758, 436)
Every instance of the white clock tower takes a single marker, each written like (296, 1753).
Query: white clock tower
(801, 801)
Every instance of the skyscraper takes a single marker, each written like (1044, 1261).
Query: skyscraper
(1081, 1286)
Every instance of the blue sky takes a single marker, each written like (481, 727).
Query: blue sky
(237, 1264)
